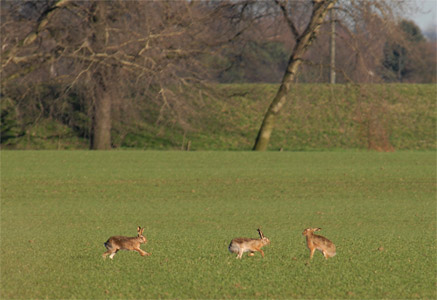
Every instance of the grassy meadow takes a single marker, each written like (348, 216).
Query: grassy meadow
(228, 117)
(58, 208)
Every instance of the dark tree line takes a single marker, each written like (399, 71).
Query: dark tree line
(409, 57)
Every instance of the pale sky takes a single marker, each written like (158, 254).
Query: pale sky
(426, 16)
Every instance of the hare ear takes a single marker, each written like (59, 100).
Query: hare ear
(139, 229)
(261, 235)
(318, 229)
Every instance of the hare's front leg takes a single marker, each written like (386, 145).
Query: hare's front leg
(240, 254)
(312, 250)
(141, 252)
(262, 252)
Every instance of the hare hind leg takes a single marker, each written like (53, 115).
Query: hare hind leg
(110, 252)
(328, 254)
(325, 254)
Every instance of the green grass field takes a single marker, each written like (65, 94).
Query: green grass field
(58, 208)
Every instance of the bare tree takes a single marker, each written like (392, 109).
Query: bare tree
(114, 52)
(115, 55)
(319, 9)
(363, 27)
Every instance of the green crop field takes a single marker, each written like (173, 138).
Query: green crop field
(58, 208)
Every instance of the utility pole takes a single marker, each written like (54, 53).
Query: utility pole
(332, 54)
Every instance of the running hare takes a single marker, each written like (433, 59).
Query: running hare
(318, 242)
(241, 245)
(115, 243)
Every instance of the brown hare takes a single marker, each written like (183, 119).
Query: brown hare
(318, 242)
(241, 245)
(115, 243)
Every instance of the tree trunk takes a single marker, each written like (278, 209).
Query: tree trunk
(332, 52)
(320, 9)
(101, 129)
(103, 87)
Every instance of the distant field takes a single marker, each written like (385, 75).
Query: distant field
(228, 117)
(58, 208)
